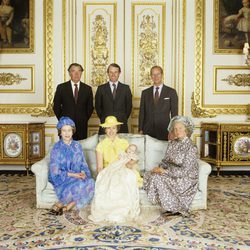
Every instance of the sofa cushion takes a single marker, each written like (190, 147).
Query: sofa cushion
(89, 146)
(154, 152)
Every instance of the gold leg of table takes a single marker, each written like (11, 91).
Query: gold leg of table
(218, 170)
(27, 167)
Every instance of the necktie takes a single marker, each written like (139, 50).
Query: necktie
(76, 93)
(157, 96)
(114, 90)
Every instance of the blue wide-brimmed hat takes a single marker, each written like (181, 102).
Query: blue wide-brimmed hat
(64, 120)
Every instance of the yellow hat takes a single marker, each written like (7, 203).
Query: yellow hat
(110, 121)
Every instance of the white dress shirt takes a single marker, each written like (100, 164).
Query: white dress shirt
(111, 85)
(73, 86)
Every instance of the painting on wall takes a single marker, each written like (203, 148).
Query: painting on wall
(232, 25)
(17, 26)
(233, 83)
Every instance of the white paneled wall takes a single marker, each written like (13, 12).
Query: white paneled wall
(64, 32)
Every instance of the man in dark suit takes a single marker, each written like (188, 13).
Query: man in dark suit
(114, 98)
(75, 100)
(158, 105)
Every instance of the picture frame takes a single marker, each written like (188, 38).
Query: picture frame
(35, 137)
(33, 103)
(17, 78)
(240, 147)
(17, 26)
(13, 145)
(229, 26)
(231, 80)
(36, 150)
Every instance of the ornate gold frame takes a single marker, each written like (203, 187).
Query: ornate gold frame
(44, 109)
(236, 79)
(199, 108)
(16, 78)
(217, 50)
(233, 156)
(31, 34)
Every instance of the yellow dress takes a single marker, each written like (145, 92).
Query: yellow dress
(111, 149)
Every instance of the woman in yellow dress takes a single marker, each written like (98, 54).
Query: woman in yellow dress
(116, 196)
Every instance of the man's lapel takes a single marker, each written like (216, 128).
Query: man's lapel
(70, 92)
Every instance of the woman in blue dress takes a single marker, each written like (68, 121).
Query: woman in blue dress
(69, 172)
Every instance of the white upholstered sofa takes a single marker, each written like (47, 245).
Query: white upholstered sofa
(151, 151)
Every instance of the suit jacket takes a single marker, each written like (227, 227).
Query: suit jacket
(154, 119)
(80, 112)
(120, 107)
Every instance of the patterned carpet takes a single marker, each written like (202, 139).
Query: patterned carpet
(224, 225)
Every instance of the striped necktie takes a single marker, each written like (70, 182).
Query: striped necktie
(157, 96)
(114, 90)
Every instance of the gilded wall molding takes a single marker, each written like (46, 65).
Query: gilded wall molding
(99, 36)
(148, 41)
(184, 10)
(199, 108)
(46, 108)
(99, 51)
(231, 80)
(48, 41)
(148, 49)
(11, 79)
(64, 19)
(242, 80)
(17, 79)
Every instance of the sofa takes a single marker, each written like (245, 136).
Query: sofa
(151, 151)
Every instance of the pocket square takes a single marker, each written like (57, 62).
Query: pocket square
(166, 98)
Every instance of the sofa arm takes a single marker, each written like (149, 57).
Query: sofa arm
(204, 171)
(41, 169)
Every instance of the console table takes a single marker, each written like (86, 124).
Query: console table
(226, 143)
(22, 143)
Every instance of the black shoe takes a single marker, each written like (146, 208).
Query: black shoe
(166, 212)
(56, 210)
(172, 213)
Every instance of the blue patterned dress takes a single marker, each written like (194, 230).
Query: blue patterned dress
(69, 158)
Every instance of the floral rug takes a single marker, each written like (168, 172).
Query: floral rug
(224, 225)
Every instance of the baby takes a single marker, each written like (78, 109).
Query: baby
(132, 155)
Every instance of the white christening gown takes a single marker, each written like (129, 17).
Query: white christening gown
(116, 196)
